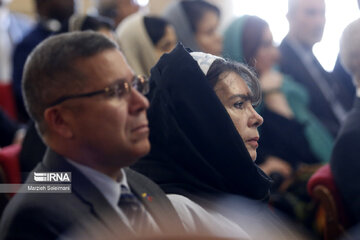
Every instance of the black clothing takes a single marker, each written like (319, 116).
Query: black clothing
(346, 94)
(291, 64)
(195, 147)
(345, 161)
(283, 138)
(32, 151)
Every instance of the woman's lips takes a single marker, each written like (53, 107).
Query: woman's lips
(144, 128)
(253, 142)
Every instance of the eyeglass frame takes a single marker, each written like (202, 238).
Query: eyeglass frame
(119, 88)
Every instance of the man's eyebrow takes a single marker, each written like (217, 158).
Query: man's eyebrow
(244, 97)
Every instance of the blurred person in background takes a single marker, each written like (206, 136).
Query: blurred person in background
(306, 25)
(103, 25)
(53, 16)
(13, 28)
(196, 24)
(345, 161)
(143, 39)
(346, 81)
(117, 10)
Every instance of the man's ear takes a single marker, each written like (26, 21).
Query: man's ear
(57, 123)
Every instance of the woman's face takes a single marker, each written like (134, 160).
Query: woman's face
(207, 37)
(167, 42)
(234, 94)
(267, 54)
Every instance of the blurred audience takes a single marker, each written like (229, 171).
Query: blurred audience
(143, 39)
(13, 28)
(306, 25)
(53, 18)
(117, 10)
(345, 164)
(196, 24)
(346, 81)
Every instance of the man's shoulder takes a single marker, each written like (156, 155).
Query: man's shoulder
(45, 215)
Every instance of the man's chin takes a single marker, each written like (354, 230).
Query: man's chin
(142, 148)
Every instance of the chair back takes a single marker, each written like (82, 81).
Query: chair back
(321, 187)
(7, 100)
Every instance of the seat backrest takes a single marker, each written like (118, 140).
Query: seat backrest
(7, 100)
(321, 187)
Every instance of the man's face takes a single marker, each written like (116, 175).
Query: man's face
(112, 129)
(307, 21)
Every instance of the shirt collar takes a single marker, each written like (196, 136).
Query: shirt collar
(110, 188)
(358, 92)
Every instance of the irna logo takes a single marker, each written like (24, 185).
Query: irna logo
(52, 177)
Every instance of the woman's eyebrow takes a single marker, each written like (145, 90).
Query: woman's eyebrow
(244, 97)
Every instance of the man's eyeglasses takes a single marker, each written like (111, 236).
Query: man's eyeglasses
(118, 89)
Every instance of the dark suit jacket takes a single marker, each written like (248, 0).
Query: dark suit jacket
(345, 161)
(21, 52)
(47, 216)
(347, 91)
(291, 64)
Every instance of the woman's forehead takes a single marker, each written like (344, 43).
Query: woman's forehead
(232, 83)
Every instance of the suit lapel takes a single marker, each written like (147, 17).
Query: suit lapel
(88, 193)
(155, 202)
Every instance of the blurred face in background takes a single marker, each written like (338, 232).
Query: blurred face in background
(307, 21)
(167, 42)
(207, 36)
(61, 10)
(267, 54)
(125, 8)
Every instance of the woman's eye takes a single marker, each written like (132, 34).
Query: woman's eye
(239, 105)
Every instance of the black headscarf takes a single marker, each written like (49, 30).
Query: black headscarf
(195, 147)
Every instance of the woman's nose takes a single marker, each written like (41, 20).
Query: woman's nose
(255, 119)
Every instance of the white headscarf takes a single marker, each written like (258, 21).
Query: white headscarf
(136, 44)
(204, 60)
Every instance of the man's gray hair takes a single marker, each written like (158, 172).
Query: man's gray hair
(350, 49)
(50, 71)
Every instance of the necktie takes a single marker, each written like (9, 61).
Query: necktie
(134, 211)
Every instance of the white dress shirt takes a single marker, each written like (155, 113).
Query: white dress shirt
(110, 189)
